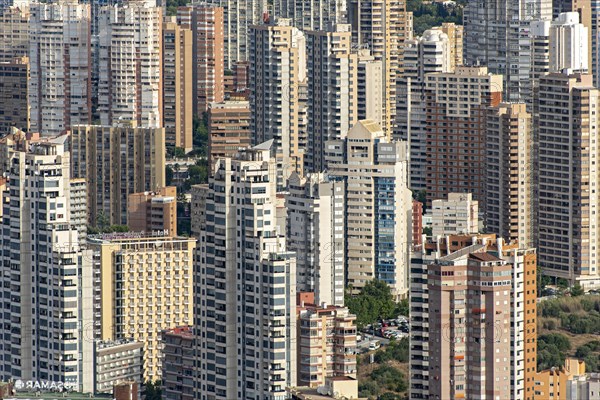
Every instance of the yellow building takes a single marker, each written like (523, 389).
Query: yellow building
(551, 384)
(146, 287)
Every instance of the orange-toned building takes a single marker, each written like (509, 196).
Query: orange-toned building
(551, 384)
(326, 342)
(456, 108)
(153, 211)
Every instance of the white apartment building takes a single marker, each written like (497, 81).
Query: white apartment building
(246, 277)
(378, 205)
(46, 276)
(568, 203)
(429, 53)
(459, 214)
(239, 15)
(332, 90)
(277, 67)
(315, 232)
(130, 64)
(59, 87)
(568, 44)
(312, 15)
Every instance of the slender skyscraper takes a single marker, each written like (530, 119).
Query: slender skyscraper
(130, 64)
(239, 15)
(44, 338)
(382, 26)
(277, 67)
(378, 205)
(207, 26)
(246, 331)
(568, 203)
(315, 232)
(332, 90)
(509, 173)
(60, 66)
(428, 54)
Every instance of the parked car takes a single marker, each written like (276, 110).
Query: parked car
(375, 345)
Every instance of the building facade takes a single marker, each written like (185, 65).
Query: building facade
(14, 31)
(14, 100)
(456, 110)
(315, 232)
(239, 16)
(332, 90)
(497, 36)
(510, 196)
(44, 335)
(117, 161)
(382, 26)
(378, 205)
(228, 129)
(207, 25)
(326, 344)
(312, 15)
(568, 205)
(130, 64)
(277, 67)
(117, 361)
(430, 53)
(153, 211)
(178, 363)
(60, 86)
(178, 84)
(146, 287)
(458, 214)
(246, 316)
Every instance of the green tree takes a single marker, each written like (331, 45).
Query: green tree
(375, 301)
(169, 175)
(153, 390)
(402, 308)
(577, 290)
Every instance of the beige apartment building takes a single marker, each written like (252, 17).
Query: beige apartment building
(207, 25)
(153, 211)
(177, 90)
(370, 88)
(568, 203)
(14, 105)
(117, 361)
(277, 67)
(228, 129)
(510, 198)
(458, 214)
(117, 161)
(382, 26)
(326, 344)
(455, 35)
(456, 109)
(146, 287)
